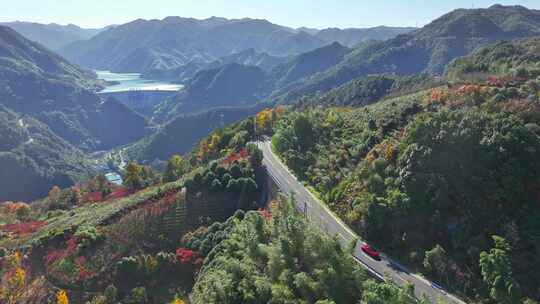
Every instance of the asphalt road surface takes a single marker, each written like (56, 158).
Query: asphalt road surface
(316, 212)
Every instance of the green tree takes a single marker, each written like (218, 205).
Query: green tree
(133, 176)
(303, 129)
(137, 295)
(436, 261)
(383, 293)
(496, 271)
(101, 182)
(255, 156)
(23, 212)
(239, 139)
(174, 170)
(279, 142)
(111, 294)
(148, 176)
(288, 261)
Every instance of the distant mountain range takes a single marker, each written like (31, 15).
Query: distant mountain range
(52, 36)
(428, 49)
(248, 57)
(352, 37)
(50, 114)
(149, 45)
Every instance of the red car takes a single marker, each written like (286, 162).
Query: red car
(371, 252)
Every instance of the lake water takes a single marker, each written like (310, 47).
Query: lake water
(134, 82)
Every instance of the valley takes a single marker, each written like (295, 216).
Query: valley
(237, 160)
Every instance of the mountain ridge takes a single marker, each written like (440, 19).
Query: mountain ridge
(54, 36)
(427, 49)
(175, 41)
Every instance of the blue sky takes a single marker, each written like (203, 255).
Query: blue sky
(294, 13)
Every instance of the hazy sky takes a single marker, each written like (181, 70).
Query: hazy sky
(294, 13)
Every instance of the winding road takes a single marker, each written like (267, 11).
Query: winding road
(316, 212)
(21, 124)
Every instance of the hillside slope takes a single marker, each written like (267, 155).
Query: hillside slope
(309, 63)
(231, 85)
(444, 179)
(52, 102)
(164, 143)
(33, 158)
(39, 83)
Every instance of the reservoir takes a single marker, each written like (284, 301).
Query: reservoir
(114, 178)
(133, 82)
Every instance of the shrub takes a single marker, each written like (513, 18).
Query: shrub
(189, 183)
(137, 295)
(232, 185)
(236, 171)
(22, 228)
(216, 185)
(111, 294)
(226, 178)
(23, 212)
(88, 237)
(127, 267)
(99, 299)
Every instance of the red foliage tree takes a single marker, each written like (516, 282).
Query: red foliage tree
(22, 228)
(184, 255)
(265, 214)
(234, 156)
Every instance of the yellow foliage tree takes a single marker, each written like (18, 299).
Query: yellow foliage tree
(264, 120)
(61, 297)
(177, 301)
(13, 288)
(203, 150)
(214, 142)
(208, 146)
